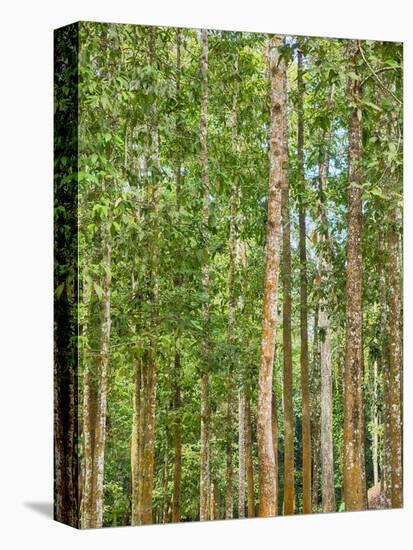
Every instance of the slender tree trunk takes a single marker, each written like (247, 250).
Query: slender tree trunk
(229, 497)
(385, 369)
(275, 443)
(324, 324)
(289, 490)
(395, 374)
(327, 455)
(306, 428)
(241, 453)
(151, 366)
(375, 424)
(355, 494)
(315, 407)
(205, 414)
(249, 465)
(177, 440)
(136, 379)
(165, 476)
(278, 114)
(141, 438)
(95, 385)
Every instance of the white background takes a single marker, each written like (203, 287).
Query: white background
(26, 271)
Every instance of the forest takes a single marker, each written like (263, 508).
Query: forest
(228, 275)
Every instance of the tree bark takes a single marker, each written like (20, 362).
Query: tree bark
(95, 383)
(151, 365)
(266, 461)
(395, 374)
(177, 438)
(385, 368)
(241, 452)
(326, 447)
(324, 325)
(355, 494)
(136, 379)
(249, 464)
(375, 423)
(229, 496)
(275, 444)
(306, 428)
(289, 490)
(315, 405)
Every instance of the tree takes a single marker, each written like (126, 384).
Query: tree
(354, 465)
(306, 428)
(289, 490)
(266, 469)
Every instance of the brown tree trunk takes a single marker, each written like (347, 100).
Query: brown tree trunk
(141, 438)
(385, 369)
(278, 114)
(249, 464)
(306, 428)
(136, 379)
(151, 365)
(315, 407)
(95, 382)
(355, 494)
(289, 490)
(241, 452)
(275, 443)
(177, 438)
(324, 341)
(165, 478)
(326, 447)
(395, 374)
(375, 423)
(205, 414)
(229, 496)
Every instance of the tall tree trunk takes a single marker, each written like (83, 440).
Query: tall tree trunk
(165, 476)
(278, 114)
(95, 385)
(177, 438)
(136, 379)
(249, 464)
(306, 428)
(289, 490)
(375, 423)
(326, 446)
(315, 408)
(324, 324)
(151, 366)
(241, 453)
(385, 368)
(229, 496)
(354, 459)
(205, 414)
(395, 374)
(141, 437)
(275, 443)
(177, 424)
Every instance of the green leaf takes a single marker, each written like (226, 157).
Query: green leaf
(98, 290)
(59, 290)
